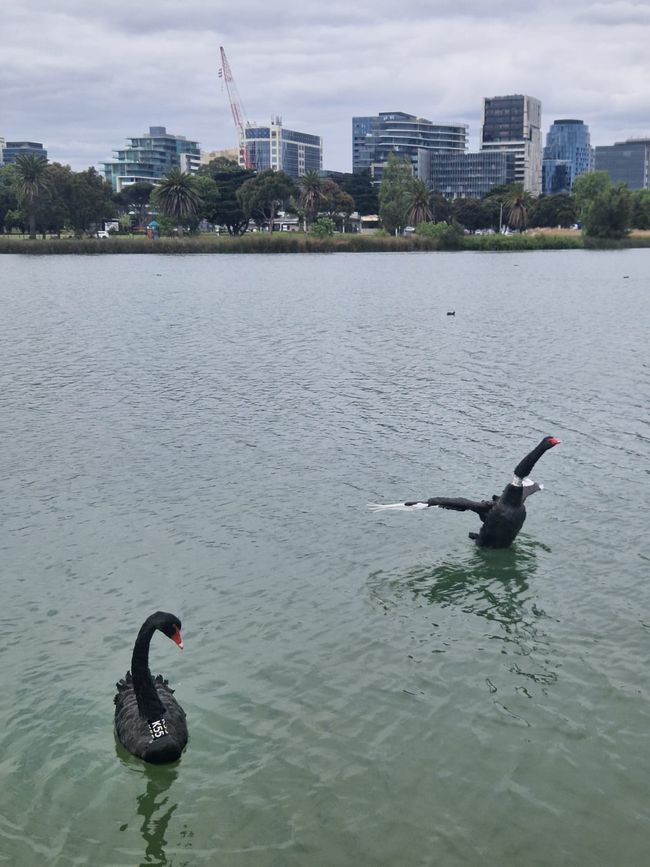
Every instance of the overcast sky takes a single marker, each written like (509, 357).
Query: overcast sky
(82, 76)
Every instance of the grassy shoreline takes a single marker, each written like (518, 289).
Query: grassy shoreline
(299, 243)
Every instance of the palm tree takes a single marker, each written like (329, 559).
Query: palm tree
(517, 207)
(31, 183)
(311, 195)
(177, 197)
(418, 203)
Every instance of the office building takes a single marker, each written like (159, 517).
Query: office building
(375, 137)
(465, 176)
(626, 162)
(276, 147)
(149, 158)
(513, 123)
(567, 155)
(13, 149)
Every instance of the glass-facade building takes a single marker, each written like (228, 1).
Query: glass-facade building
(374, 138)
(276, 147)
(149, 158)
(513, 123)
(465, 176)
(567, 155)
(13, 149)
(626, 162)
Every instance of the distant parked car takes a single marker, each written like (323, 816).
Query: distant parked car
(102, 234)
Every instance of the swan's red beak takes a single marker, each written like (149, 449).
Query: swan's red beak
(554, 441)
(177, 638)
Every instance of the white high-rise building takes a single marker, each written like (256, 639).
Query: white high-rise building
(514, 124)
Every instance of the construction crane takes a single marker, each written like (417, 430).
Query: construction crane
(237, 112)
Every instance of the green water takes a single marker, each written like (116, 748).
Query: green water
(202, 435)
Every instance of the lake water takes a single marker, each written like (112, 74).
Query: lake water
(202, 434)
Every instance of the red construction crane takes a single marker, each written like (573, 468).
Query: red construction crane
(237, 112)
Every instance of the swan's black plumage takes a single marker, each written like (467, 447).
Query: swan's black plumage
(503, 516)
(149, 722)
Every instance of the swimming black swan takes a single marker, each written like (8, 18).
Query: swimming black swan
(149, 721)
(503, 516)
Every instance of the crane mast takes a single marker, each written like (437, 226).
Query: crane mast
(237, 111)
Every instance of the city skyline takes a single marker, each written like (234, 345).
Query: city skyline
(83, 79)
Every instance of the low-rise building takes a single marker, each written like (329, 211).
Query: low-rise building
(626, 162)
(465, 176)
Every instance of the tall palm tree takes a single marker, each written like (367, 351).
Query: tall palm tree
(311, 194)
(517, 206)
(31, 183)
(177, 197)
(418, 203)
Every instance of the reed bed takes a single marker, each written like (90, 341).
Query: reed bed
(299, 243)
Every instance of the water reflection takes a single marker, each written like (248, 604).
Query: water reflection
(494, 585)
(153, 805)
(156, 813)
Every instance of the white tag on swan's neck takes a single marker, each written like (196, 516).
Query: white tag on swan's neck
(158, 728)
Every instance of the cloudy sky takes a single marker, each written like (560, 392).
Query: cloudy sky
(82, 76)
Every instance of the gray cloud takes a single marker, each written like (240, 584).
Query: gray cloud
(82, 77)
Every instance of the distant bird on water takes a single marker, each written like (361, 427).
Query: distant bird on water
(503, 516)
(149, 721)
(451, 313)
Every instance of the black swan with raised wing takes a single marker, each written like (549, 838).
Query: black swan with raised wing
(503, 516)
(149, 722)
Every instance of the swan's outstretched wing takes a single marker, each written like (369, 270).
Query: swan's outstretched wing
(457, 504)
(460, 504)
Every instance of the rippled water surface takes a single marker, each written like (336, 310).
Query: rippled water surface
(201, 435)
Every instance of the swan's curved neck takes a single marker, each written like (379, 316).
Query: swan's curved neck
(149, 704)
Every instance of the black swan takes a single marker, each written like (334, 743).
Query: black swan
(503, 516)
(149, 722)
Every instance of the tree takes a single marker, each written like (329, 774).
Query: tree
(311, 195)
(472, 214)
(418, 203)
(440, 207)
(262, 196)
(31, 183)
(641, 209)
(450, 235)
(587, 187)
(517, 206)
(208, 192)
(8, 198)
(609, 214)
(394, 192)
(90, 200)
(323, 227)
(556, 210)
(229, 177)
(362, 190)
(135, 199)
(177, 198)
(336, 203)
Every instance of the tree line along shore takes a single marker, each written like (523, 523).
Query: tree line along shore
(226, 208)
